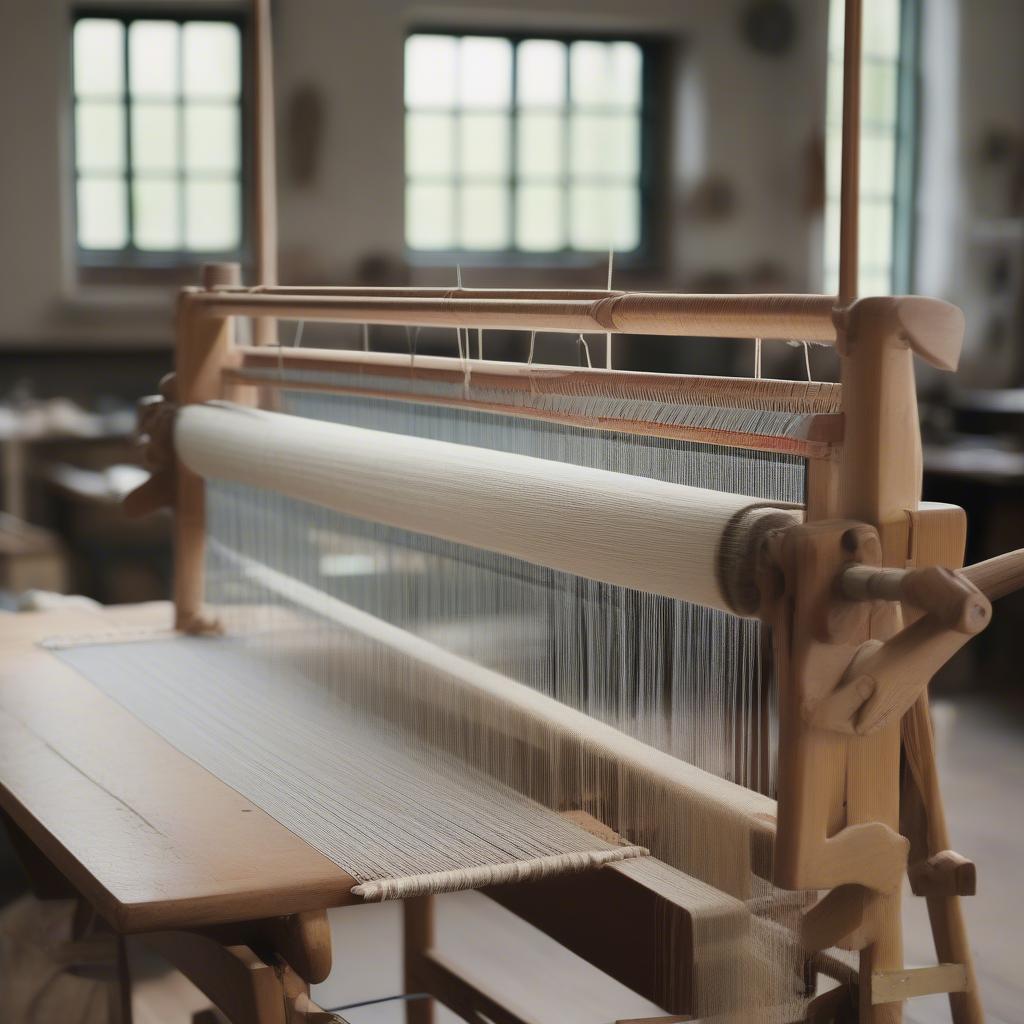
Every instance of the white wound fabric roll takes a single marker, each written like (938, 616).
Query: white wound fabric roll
(630, 531)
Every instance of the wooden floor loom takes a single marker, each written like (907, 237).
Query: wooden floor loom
(860, 589)
(859, 586)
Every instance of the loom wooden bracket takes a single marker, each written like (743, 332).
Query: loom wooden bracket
(930, 328)
(818, 634)
(154, 433)
(884, 679)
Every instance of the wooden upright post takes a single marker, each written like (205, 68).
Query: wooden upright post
(202, 349)
(264, 206)
(849, 188)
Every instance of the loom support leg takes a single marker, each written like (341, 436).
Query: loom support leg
(925, 823)
(119, 988)
(417, 939)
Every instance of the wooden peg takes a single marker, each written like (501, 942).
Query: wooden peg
(944, 874)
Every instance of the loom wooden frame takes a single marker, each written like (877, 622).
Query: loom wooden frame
(874, 485)
(840, 805)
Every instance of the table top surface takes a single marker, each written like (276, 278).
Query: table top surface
(150, 838)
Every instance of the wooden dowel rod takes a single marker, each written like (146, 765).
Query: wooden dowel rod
(399, 292)
(995, 578)
(849, 194)
(805, 317)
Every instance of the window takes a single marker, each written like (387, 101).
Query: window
(523, 145)
(158, 138)
(888, 137)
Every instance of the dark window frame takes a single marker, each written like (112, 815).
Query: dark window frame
(651, 178)
(140, 265)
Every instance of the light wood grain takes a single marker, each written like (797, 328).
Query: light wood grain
(939, 536)
(806, 317)
(849, 184)
(202, 347)
(146, 835)
(264, 160)
(890, 986)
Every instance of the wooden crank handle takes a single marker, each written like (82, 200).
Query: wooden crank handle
(956, 597)
(895, 673)
(999, 576)
(884, 680)
(951, 598)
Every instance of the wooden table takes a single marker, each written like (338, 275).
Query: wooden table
(152, 841)
(157, 845)
(149, 837)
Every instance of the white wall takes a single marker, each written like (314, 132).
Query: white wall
(734, 112)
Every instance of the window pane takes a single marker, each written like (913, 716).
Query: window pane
(157, 221)
(212, 215)
(605, 74)
(832, 237)
(836, 28)
(211, 138)
(99, 137)
(875, 282)
(605, 146)
(429, 144)
(430, 71)
(882, 28)
(834, 98)
(876, 233)
(484, 145)
(102, 213)
(99, 57)
(153, 58)
(483, 217)
(604, 217)
(540, 79)
(212, 59)
(877, 166)
(485, 72)
(429, 216)
(539, 218)
(878, 84)
(155, 137)
(541, 145)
